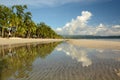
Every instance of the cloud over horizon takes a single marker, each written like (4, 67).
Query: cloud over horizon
(79, 26)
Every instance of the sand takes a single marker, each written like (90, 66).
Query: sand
(78, 42)
(101, 44)
(13, 41)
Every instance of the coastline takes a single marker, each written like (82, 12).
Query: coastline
(101, 44)
(17, 41)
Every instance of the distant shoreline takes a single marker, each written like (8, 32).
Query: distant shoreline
(90, 37)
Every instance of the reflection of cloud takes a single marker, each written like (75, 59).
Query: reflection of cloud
(59, 49)
(100, 50)
(75, 53)
(108, 54)
(84, 59)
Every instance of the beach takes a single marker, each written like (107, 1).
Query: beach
(15, 41)
(78, 42)
(101, 44)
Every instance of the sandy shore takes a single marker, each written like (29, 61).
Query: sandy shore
(12, 41)
(78, 42)
(95, 43)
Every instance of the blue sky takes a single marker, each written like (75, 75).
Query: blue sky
(106, 12)
(58, 13)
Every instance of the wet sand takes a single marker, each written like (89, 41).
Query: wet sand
(95, 43)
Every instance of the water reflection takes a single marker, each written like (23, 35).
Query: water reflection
(78, 53)
(101, 63)
(16, 62)
(84, 55)
(65, 62)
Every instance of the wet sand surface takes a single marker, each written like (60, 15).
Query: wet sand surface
(95, 43)
(63, 61)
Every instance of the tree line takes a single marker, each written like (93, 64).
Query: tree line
(16, 21)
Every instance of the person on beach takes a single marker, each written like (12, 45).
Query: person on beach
(9, 35)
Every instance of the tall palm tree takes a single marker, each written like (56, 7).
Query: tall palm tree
(29, 24)
(5, 14)
(19, 12)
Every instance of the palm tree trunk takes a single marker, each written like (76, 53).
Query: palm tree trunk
(28, 34)
(2, 32)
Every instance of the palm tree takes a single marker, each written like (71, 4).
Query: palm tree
(44, 31)
(27, 23)
(19, 16)
(5, 14)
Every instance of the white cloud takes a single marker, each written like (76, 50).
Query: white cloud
(79, 26)
(116, 27)
(106, 31)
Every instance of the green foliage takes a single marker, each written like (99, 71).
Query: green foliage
(17, 17)
(44, 31)
(5, 14)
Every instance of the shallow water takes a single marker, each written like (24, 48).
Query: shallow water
(56, 61)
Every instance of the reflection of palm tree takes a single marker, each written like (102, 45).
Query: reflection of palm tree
(20, 63)
(75, 53)
(3, 64)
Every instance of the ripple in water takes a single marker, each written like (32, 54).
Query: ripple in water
(55, 61)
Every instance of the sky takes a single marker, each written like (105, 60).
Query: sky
(75, 17)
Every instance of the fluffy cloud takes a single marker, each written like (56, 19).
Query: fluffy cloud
(79, 26)
(105, 30)
(76, 24)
